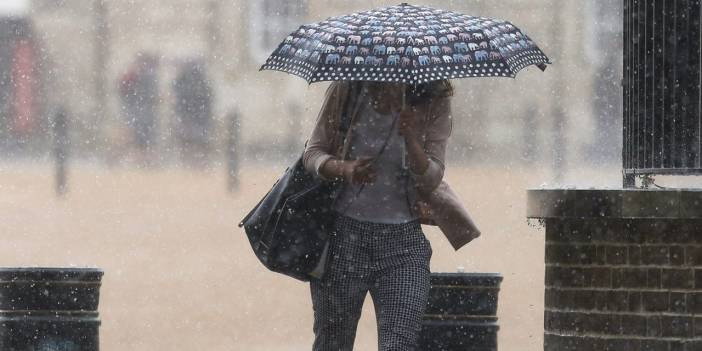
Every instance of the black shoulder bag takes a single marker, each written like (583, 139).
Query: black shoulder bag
(289, 229)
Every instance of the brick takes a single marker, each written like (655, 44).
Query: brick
(677, 255)
(697, 330)
(677, 279)
(656, 230)
(631, 233)
(653, 326)
(677, 327)
(565, 277)
(555, 298)
(655, 255)
(603, 230)
(588, 299)
(553, 342)
(654, 345)
(632, 325)
(573, 254)
(698, 278)
(650, 230)
(634, 255)
(694, 302)
(616, 300)
(653, 278)
(598, 277)
(678, 302)
(622, 344)
(675, 345)
(616, 255)
(690, 230)
(600, 323)
(678, 233)
(601, 255)
(655, 301)
(558, 230)
(629, 278)
(693, 345)
(552, 321)
(694, 256)
(635, 302)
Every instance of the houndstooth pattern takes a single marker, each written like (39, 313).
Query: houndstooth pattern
(391, 261)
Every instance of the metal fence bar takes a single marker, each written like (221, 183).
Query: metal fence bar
(648, 134)
(657, 152)
(692, 137)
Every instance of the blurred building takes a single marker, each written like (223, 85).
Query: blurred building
(22, 122)
(92, 42)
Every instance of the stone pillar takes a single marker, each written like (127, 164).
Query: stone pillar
(623, 269)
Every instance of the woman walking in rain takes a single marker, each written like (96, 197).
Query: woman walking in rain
(390, 160)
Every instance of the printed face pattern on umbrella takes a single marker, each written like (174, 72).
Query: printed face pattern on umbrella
(406, 44)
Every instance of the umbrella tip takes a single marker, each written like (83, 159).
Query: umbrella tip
(404, 4)
(542, 66)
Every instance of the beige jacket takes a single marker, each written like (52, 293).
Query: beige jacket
(434, 200)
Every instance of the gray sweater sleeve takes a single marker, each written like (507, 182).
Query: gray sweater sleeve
(319, 146)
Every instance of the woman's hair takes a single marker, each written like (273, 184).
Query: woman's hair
(417, 94)
(425, 92)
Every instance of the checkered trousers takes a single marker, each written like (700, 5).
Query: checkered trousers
(391, 261)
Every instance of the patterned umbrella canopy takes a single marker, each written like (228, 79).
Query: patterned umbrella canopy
(407, 44)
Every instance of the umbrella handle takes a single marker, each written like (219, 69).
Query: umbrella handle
(404, 145)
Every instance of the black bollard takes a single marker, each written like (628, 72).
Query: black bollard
(232, 152)
(49, 309)
(61, 149)
(461, 313)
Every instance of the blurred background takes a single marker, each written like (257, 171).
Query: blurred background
(134, 135)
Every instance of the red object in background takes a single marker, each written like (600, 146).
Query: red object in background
(24, 117)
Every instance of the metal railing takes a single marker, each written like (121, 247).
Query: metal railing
(662, 96)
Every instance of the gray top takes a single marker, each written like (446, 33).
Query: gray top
(386, 199)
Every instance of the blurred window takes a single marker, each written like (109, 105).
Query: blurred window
(271, 21)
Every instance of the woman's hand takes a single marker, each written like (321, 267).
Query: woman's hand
(358, 171)
(407, 124)
(408, 128)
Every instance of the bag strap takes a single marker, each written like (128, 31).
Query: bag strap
(346, 114)
(375, 159)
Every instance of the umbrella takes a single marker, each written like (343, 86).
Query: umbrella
(405, 44)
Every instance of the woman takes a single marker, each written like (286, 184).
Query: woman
(391, 162)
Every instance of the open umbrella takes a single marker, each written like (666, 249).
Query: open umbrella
(405, 44)
(399, 44)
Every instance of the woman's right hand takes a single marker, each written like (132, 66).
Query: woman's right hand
(359, 171)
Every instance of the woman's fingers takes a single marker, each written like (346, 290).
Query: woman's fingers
(366, 174)
(364, 161)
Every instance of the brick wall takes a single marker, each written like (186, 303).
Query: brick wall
(623, 284)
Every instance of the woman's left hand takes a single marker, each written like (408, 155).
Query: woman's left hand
(408, 124)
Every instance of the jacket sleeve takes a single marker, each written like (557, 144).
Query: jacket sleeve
(318, 149)
(437, 134)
